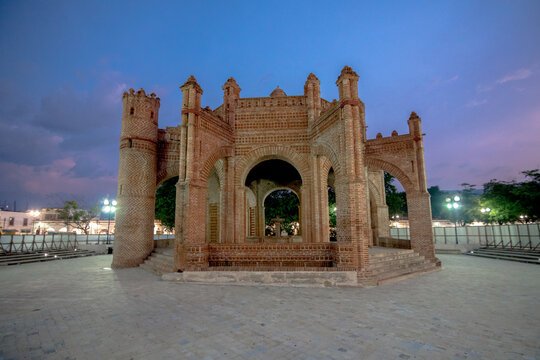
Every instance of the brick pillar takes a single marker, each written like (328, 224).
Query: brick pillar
(134, 239)
(316, 198)
(240, 214)
(419, 209)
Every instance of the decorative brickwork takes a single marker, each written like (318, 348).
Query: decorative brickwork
(229, 159)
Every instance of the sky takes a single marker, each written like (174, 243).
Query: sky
(470, 69)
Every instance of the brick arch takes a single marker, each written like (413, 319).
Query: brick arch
(324, 149)
(211, 160)
(395, 171)
(271, 152)
(295, 191)
(167, 173)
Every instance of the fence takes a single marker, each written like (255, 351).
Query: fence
(519, 236)
(32, 243)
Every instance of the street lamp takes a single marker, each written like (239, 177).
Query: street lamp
(454, 204)
(34, 214)
(109, 207)
(523, 218)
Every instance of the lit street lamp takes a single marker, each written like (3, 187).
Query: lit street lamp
(523, 218)
(454, 204)
(34, 214)
(109, 208)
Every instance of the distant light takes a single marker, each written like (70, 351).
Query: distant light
(106, 202)
(55, 256)
(113, 208)
(107, 268)
(455, 205)
(457, 198)
(114, 202)
(488, 209)
(46, 254)
(449, 206)
(335, 209)
(483, 210)
(448, 199)
(107, 208)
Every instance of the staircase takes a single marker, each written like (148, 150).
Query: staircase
(388, 265)
(160, 261)
(521, 255)
(43, 255)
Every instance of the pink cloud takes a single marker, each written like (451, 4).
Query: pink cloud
(53, 178)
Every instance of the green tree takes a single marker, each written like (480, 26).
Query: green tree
(282, 204)
(76, 217)
(396, 201)
(166, 202)
(332, 207)
(437, 202)
(508, 200)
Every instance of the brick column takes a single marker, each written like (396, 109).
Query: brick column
(419, 209)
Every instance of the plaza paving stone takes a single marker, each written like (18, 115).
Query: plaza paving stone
(474, 308)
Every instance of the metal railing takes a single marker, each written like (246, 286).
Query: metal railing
(514, 236)
(10, 244)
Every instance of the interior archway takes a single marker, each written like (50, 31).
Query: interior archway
(265, 178)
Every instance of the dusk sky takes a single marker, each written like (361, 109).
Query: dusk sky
(470, 69)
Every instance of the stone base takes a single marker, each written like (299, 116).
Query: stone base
(272, 278)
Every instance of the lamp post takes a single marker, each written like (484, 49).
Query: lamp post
(109, 207)
(454, 204)
(395, 219)
(34, 214)
(485, 211)
(523, 218)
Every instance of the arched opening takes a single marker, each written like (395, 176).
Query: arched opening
(277, 184)
(281, 213)
(332, 206)
(213, 201)
(165, 206)
(214, 204)
(387, 209)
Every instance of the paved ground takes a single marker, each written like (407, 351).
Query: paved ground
(79, 309)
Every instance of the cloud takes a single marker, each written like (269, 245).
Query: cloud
(475, 103)
(53, 180)
(520, 74)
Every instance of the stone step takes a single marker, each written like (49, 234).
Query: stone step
(42, 258)
(510, 253)
(507, 258)
(382, 254)
(399, 267)
(164, 251)
(431, 267)
(391, 258)
(391, 263)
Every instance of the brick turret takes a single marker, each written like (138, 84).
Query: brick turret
(231, 94)
(134, 237)
(312, 91)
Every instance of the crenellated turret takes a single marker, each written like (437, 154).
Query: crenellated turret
(231, 94)
(347, 83)
(312, 91)
(415, 127)
(136, 179)
(191, 94)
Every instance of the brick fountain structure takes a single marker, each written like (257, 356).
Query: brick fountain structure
(230, 158)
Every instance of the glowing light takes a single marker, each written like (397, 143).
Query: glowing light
(455, 205)
(46, 254)
(107, 208)
(449, 206)
(335, 209)
(457, 198)
(106, 202)
(114, 202)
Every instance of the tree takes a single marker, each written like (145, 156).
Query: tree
(396, 201)
(437, 202)
(508, 200)
(166, 203)
(332, 207)
(282, 204)
(80, 219)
